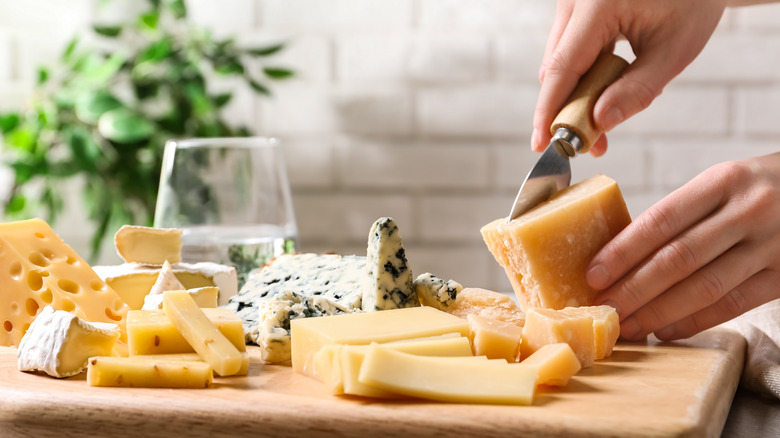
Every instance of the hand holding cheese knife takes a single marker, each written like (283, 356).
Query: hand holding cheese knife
(709, 251)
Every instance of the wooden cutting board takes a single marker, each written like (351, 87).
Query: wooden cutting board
(649, 389)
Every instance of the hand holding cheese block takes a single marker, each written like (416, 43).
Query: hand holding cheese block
(202, 335)
(148, 246)
(546, 251)
(59, 343)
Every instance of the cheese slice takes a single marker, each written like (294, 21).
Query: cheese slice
(149, 246)
(310, 334)
(555, 364)
(546, 251)
(548, 326)
(39, 269)
(204, 337)
(133, 281)
(388, 283)
(483, 302)
(151, 332)
(190, 357)
(448, 379)
(59, 343)
(152, 373)
(493, 338)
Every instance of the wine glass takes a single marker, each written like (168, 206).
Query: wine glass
(230, 197)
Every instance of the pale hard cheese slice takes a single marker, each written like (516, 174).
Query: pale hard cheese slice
(448, 379)
(483, 302)
(189, 357)
(311, 334)
(493, 338)
(204, 337)
(388, 283)
(59, 343)
(166, 280)
(152, 373)
(151, 332)
(546, 251)
(435, 292)
(555, 364)
(39, 269)
(606, 326)
(133, 281)
(548, 326)
(205, 297)
(149, 246)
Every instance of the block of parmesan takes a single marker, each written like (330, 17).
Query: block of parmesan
(483, 302)
(546, 251)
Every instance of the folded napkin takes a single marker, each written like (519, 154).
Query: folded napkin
(761, 329)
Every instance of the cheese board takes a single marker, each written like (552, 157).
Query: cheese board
(647, 389)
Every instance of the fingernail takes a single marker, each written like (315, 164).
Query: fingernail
(535, 139)
(629, 329)
(612, 118)
(598, 277)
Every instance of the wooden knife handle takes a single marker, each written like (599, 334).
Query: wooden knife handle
(577, 114)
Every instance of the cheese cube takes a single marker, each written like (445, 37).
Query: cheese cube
(555, 364)
(204, 337)
(133, 281)
(152, 373)
(486, 303)
(606, 326)
(151, 332)
(546, 251)
(448, 379)
(38, 269)
(59, 343)
(310, 334)
(149, 246)
(193, 357)
(548, 326)
(493, 338)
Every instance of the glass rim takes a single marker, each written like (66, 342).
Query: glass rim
(247, 142)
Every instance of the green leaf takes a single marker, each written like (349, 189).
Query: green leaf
(156, 52)
(93, 104)
(278, 72)
(150, 20)
(228, 66)
(69, 49)
(260, 88)
(8, 122)
(107, 31)
(101, 72)
(221, 100)
(43, 75)
(16, 204)
(124, 126)
(178, 9)
(84, 149)
(23, 138)
(265, 51)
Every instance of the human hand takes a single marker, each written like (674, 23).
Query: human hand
(665, 35)
(703, 255)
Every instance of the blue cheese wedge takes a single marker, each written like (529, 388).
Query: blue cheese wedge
(321, 284)
(59, 343)
(435, 292)
(388, 283)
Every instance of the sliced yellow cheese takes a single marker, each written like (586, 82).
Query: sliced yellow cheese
(308, 335)
(189, 357)
(39, 269)
(606, 326)
(204, 337)
(205, 297)
(327, 364)
(546, 251)
(152, 373)
(493, 338)
(448, 379)
(148, 246)
(548, 326)
(483, 302)
(555, 364)
(151, 332)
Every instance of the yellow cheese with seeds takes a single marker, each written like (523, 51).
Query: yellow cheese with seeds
(448, 379)
(152, 373)
(204, 337)
(38, 269)
(493, 338)
(189, 357)
(308, 335)
(555, 363)
(151, 332)
(148, 246)
(546, 251)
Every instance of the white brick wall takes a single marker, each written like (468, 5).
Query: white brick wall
(421, 110)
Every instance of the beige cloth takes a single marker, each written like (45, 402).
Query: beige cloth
(761, 329)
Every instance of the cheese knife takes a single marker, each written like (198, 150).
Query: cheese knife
(573, 133)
